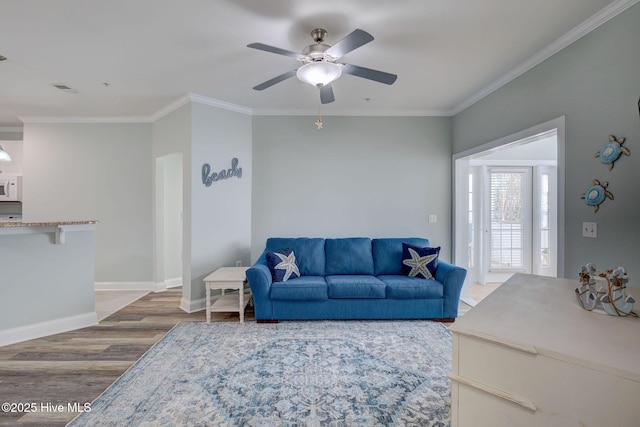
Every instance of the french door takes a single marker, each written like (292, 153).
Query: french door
(517, 222)
(507, 222)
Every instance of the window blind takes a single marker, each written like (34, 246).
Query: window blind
(506, 234)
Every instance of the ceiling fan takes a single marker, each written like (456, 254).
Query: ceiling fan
(319, 67)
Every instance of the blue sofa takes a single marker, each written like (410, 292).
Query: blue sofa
(352, 278)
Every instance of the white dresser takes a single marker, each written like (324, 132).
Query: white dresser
(529, 355)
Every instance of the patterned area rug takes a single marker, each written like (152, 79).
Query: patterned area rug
(345, 373)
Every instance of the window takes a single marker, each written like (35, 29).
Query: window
(544, 221)
(506, 242)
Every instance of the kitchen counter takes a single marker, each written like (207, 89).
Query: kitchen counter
(59, 228)
(47, 278)
(18, 223)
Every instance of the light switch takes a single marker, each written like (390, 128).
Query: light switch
(590, 229)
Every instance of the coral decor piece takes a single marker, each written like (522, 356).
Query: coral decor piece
(612, 150)
(596, 194)
(611, 297)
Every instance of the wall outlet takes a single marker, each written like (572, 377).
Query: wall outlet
(239, 263)
(590, 229)
(433, 218)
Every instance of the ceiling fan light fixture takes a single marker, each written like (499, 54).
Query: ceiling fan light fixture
(4, 156)
(319, 73)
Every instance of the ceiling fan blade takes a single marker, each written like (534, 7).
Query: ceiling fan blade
(368, 73)
(277, 79)
(350, 42)
(273, 49)
(326, 94)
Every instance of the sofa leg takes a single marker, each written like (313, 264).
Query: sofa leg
(445, 320)
(267, 321)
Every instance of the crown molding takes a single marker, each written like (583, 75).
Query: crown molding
(609, 12)
(11, 129)
(85, 120)
(220, 104)
(353, 112)
(170, 108)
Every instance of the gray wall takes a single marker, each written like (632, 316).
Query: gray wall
(95, 172)
(357, 176)
(220, 214)
(595, 83)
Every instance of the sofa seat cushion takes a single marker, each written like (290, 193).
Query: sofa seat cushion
(403, 287)
(305, 288)
(355, 286)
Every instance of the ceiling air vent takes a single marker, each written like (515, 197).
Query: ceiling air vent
(64, 88)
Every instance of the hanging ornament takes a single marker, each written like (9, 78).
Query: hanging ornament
(319, 121)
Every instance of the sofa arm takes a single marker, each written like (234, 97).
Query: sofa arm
(452, 278)
(259, 278)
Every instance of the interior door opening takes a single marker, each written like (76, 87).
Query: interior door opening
(168, 222)
(508, 204)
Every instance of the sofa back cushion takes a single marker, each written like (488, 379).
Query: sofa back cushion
(350, 255)
(309, 253)
(387, 253)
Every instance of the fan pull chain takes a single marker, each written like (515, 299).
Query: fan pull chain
(319, 121)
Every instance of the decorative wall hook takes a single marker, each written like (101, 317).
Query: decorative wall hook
(612, 150)
(596, 194)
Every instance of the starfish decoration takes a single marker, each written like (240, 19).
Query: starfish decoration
(288, 263)
(418, 264)
(319, 122)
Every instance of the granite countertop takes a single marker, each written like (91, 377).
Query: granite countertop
(10, 224)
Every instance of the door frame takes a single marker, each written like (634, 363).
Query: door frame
(460, 182)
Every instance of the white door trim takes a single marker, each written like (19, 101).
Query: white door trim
(559, 125)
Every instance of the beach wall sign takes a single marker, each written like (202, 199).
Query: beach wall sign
(208, 177)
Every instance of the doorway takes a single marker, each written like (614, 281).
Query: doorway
(168, 228)
(508, 204)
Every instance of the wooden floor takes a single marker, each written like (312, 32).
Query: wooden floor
(76, 367)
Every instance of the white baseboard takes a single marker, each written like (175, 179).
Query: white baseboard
(160, 287)
(194, 306)
(173, 283)
(138, 286)
(125, 286)
(50, 327)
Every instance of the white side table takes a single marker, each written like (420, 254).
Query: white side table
(227, 278)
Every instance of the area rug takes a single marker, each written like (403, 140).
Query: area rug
(328, 373)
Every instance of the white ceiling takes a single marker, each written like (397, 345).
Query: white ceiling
(447, 54)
